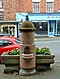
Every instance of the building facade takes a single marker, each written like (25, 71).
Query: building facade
(45, 14)
(11, 7)
(8, 10)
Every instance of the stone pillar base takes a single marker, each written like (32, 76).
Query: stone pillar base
(27, 71)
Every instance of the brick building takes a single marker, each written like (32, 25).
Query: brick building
(45, 14)
(11, 7)
(15, 10)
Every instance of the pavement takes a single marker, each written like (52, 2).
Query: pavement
(46, 38)
(53, 73)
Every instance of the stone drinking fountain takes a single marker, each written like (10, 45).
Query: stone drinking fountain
(28, 62)
(27, 47)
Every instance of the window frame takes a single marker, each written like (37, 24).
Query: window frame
(49, 7)
(36, 7)
(8, 43)
(1, 4)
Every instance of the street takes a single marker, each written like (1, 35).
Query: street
(24, 26)
(53, 73)
(54, 46)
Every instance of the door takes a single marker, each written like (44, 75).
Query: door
(52, 25)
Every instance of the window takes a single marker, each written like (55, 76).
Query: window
(49, 7)
(0, 3)
(58, 28)
(5, 43)
(41, 27)
(36, 7)
(1, 43)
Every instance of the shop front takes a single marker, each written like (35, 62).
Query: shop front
(9, 28)
(52, 28)
(45, 23)
(41, 27)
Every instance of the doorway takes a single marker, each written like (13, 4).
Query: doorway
(52, 28)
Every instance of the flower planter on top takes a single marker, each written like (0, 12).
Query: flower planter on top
(12, 62)
(44, 61)
(10, 59)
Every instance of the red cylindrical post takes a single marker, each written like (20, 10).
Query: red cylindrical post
(27, 47)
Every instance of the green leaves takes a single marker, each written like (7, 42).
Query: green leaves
(43, 50)
(37, 50)
(14, 52)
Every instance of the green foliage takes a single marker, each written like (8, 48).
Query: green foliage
(37, 50)
(14, 52)
(43, 50)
